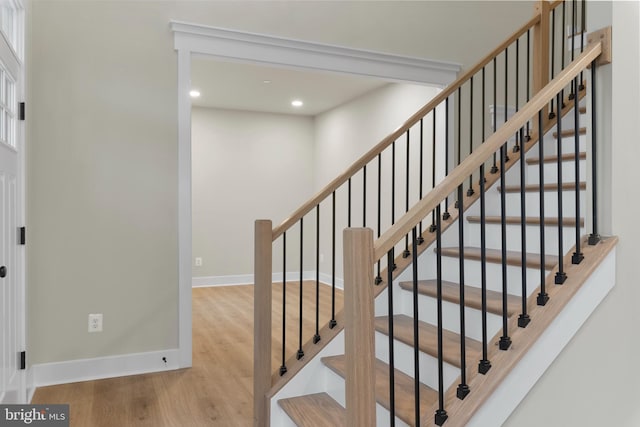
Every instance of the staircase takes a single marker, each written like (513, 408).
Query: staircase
(451, 323)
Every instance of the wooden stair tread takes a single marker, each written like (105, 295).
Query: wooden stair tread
(530, 220)
(495, 256)
(554, 158)
(314, 410)
(583, 110)
(428, 339)
(570, 132)
(472, 295)
(547, 187)
(404, 389)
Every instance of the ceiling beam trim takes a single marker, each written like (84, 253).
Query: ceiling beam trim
(238, 46)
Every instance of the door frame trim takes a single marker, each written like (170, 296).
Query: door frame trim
(251, 48)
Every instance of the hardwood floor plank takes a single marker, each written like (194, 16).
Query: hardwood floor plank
(495, 256)
(315, 410)
(218, 389)
(472, 296)
(428, 339)
(404, 389)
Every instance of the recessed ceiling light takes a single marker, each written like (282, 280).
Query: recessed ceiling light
(194, 93)
(297, 103)
(266, 82)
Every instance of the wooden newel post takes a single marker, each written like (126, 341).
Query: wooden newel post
(359, 327)
(541, 58)
(262, 322)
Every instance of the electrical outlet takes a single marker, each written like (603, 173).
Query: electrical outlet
(95, 322)
(198, 261)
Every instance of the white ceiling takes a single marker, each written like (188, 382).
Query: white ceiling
(239, 86)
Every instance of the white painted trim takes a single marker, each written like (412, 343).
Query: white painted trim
(104, 367)
(262, 49)
(247, 279)
(231, 280)
(238, 46)
(513, 389)
(184, 209)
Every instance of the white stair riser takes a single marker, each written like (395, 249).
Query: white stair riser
(427, 312)
(550, 171)
(404, 361)
(532, 203)
(450, 272)
(568, 144)
(514, 237)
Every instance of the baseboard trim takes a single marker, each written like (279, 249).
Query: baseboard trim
(247, 279)
(72, 371)
(231, 280)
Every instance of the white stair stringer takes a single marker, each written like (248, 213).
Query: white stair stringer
(513, 389)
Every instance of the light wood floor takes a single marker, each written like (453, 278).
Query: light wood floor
(217, 390)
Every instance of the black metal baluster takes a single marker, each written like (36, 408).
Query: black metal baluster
(283, 367)
(573, 42)
(316, 337)
(564, 46)
(379, 277)
(577, 256)
(484, 365)
(506, 99)
(470, 190)
(459, 135)
(392, 391)
(552, 114)
(432, 227)
(393, 182)
(463, 388)
(505, 340)
(516, 147)
(528, 137)
(406, 253)
(349, 203)
(333, 322)
(393, 196)
(543, 297)
(364, 196)
(523, 319)
(300, 353)
(582, 36)
(416, 338)
(483, 111)
(420, 238)
(446, 215)
(494, 168)
(441, 415)
(594, 237)
(561, 276)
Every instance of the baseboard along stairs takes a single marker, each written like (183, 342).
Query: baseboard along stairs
(456, 307)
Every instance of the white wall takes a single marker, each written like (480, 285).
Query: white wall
(344, 134)
(250, 165)
(246, 166)
(594, 380)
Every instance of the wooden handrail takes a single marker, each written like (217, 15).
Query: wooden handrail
(480, 155)
(378, 148)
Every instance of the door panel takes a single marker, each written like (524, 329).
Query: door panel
(12, 305)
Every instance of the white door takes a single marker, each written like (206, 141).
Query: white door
(12, 307)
